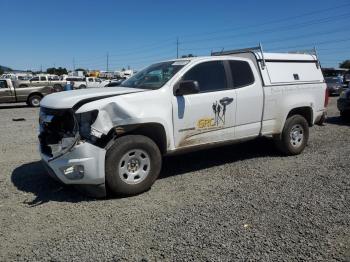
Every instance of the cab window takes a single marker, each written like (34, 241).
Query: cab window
(42, 78)
(35, 79)
(242, 74)
(210, 76)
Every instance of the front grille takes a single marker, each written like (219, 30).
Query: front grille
(55, 126)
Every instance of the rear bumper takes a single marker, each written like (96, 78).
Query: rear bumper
(320, 117)
(89, 160)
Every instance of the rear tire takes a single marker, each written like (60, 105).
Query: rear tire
(34, 100)
(294, 137)
(58, 88)
(133, 164)
(82, 86)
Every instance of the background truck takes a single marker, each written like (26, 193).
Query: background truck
(117, 136)
(43, 80)
(87, 82)
(9, 93)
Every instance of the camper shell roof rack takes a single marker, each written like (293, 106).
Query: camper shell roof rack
(259, 49)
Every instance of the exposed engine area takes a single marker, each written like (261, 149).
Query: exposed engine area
(58, 131)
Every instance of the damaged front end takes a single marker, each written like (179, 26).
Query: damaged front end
(67, 146)
(59, 131)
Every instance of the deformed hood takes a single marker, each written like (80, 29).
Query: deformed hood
(68, 99)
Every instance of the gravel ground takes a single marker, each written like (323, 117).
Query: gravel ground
(242, 202)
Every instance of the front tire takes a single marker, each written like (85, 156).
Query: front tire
(133, 164)
(294, 137)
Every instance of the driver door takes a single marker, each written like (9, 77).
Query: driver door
(207, 116)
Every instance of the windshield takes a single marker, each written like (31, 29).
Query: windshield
(155, 76)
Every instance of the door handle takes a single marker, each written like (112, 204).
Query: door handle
(226, 100)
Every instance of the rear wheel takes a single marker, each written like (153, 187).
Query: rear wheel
(133, 163)
(34, 100)
(82, 86)
(58, 88)
(294, 136)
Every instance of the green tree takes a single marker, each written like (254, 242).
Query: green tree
(345, 64)
(189, 55)
(57, 71)
(1, 71)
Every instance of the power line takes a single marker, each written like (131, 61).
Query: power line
(273, 30)
(311, 44)
(278, 40)
(272, 21)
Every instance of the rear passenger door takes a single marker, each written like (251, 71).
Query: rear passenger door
(250, 98)
(43, 81)
(208, 116)
(6, 94)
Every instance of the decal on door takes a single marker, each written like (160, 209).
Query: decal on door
(219, 111)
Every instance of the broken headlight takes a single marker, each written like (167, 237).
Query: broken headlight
(58, 131)
(85, 121)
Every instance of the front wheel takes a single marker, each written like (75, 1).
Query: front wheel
(133, 163)
(294, 136)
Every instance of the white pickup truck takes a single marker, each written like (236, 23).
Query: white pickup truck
(117, 136)
(88, 82)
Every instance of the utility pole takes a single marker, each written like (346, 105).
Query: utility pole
(41, 68)
(73, 64)
(107, 62)
(177, 47)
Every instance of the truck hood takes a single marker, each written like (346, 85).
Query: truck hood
(69, 99)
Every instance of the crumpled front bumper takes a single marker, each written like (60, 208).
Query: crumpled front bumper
(91, 162)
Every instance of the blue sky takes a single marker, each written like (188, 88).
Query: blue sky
(136, 33)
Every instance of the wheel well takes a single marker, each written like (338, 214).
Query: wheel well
(305, 111)
(154, 131)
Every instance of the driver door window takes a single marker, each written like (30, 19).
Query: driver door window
(210, 76)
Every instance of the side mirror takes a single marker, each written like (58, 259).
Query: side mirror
(186, 87)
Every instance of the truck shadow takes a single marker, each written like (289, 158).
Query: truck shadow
(11, 106)
(33, 177)
(337, 120)
(182, 164)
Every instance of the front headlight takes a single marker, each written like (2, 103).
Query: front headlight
(85, 120)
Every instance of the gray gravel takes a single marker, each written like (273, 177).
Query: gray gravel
(242, 202)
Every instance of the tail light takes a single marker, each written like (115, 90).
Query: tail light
(326, 98)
